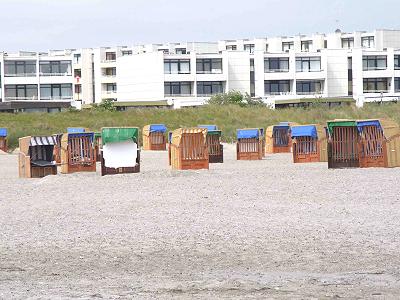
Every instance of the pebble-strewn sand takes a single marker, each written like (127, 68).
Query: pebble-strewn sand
(253, 229)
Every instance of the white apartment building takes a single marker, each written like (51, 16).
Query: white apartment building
(283, 71)
(33, 81)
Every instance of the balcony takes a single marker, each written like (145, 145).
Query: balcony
(108, 94)
(279, 93)
(108, 60)
(310, 93)
(55, 74)
(213, 71)
(314, 70)
(31, 98)
(276, 70)
(108, 63)
(19, 74)
(108, 78)
(56, 98)
(178, 95)
(375, 91)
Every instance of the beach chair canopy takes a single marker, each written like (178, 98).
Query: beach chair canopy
(3, 132)
(304, 130)
(154, 128)
(41, 149)
(90, 135)
(75, 130)
(43, 141)
(248, 133)
(211, 129)
(119, 134)
(281, 126)
(178, 133)
(208, 127)
(340, 123)
(363, 123)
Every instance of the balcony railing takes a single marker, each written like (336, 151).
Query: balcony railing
(375, 69)
(177, 72)
(276, 70)
(178, 95)
(309, 71)
(310, 93)
(375, 91)
(33, 98)
(209, 95)
(20, 75)
(55, 74)
(108, 60)
(62, 98)
(214, 71)
(110, 92)
(278, 93)
(109, 76)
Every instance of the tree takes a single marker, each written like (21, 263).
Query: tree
(105, 105)
(235, 98)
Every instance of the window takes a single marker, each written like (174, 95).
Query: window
(375, 85)
(126, 52)
(22, 68)
(110, 72)
(276, 87)
(286, 46)
(177, 88)
(78, 89)
(231, 47)
(111, 88)
(276, 64)
(325, 44)
(21, 92)
(374, 62)
(367, 42)
(209, 66)
(180, 50)
(56, 91)
(306, 45)
(111, 56)
(397, 84)
(308, 87)
(249, 48)
(77, 73)
(54, 68)
(77, 59)
(266, 47)
(347, 43)
(397, 62)
(205, 88)
(308, 64)
(176, 66)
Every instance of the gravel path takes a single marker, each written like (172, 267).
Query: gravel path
(243, 229)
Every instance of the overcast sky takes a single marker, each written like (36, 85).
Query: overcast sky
(59, 24)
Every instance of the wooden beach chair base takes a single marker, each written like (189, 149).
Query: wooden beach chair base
(124, 170)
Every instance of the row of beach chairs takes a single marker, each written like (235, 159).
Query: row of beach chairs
(341, 143)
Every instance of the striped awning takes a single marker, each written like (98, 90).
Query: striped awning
(43, 141)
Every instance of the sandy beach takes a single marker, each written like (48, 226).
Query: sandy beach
(243, 229)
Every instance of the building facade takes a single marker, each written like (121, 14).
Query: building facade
(283, 71)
